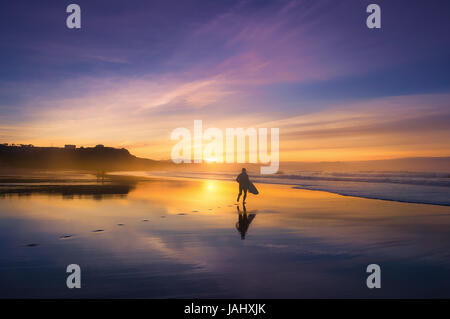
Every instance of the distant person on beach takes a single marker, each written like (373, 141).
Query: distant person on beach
(244, 184)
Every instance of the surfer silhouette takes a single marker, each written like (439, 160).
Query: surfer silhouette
(244, 221)
(244, 184)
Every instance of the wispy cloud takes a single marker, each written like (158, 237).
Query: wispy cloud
(131, 82)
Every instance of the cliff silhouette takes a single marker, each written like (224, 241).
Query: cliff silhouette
(98, 158)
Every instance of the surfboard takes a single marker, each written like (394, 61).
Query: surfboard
(252, 189)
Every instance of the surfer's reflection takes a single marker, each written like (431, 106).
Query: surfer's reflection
(244, 221)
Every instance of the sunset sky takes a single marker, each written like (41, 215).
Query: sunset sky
(137, 70)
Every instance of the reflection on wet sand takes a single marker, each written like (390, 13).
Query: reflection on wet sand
(68, 188)
(69, 191)
(303, 243)
(244, 221)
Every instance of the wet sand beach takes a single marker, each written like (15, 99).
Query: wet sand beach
(182, 238)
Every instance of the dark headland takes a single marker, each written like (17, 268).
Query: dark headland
(98, 158)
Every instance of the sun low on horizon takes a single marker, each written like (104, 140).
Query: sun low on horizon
(130, 80)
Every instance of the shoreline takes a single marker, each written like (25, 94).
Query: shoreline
(293, 186)
(86, 182)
